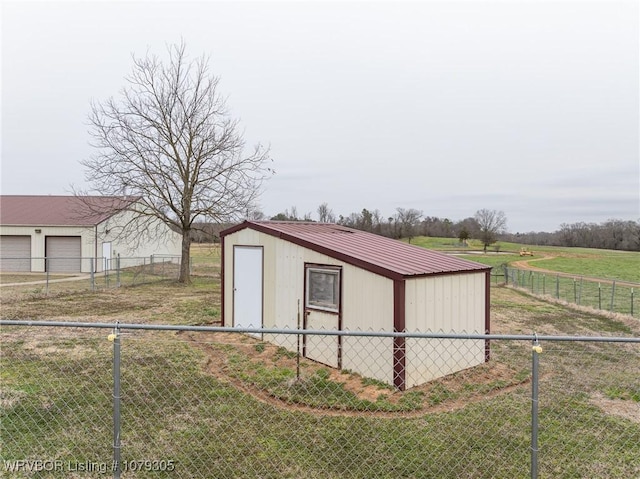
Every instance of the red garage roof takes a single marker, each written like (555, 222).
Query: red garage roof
(59, 210)
(379, 254)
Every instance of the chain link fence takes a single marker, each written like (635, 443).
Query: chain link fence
(603, 294)
(96, 273)
(202, 402)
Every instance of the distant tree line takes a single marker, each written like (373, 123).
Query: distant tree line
(487, 226)
(611, 234)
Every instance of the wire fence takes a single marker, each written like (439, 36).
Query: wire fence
(83, 400)
(603, 294)
(89, 272)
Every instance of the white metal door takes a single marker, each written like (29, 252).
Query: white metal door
(247, 287)
(106, 256)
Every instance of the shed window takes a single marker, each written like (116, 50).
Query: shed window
(323, 288)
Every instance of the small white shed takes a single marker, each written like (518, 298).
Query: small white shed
(346, 279)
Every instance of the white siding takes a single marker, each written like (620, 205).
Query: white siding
(453, 303)
(367, 300)
(159, 240)
(162, 241)
(87, 242)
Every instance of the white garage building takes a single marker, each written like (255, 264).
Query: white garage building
(58, 228)
(346, 279)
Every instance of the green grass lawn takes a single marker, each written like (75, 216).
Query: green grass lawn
(57, 405)
(620, 266)
(597, 263)
(217, 412)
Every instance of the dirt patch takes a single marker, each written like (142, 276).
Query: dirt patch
(626, 409)
(526, 263)
(10, 397)
(450, 393)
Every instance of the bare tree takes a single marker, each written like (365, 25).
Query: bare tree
(168, 140)
(490, 224)
(325, 214)
(408, 219)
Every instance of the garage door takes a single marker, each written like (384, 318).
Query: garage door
(63, 254)
(15, 253)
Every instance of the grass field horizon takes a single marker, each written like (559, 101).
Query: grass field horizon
(593, 262)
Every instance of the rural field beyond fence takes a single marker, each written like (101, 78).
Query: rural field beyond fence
(149, 400)
(605, 294)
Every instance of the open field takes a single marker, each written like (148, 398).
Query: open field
(225, 405)
(604, 264)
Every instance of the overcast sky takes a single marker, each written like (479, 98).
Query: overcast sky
(447, 107)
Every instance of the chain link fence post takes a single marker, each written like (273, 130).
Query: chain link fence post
(115, 338)
(580, 291)
(535, 352)
(599, 296)
(118, 271)
(92, 272)
(613, 295)
(47, 272)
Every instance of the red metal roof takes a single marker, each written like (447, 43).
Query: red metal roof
(385, 256)
(59, 210)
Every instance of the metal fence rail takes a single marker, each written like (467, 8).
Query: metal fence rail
(143, 400)
(610, 295)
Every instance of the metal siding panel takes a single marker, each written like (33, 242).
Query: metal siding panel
(15, 253)
(288, 279)
(452, 304)
(367, 306)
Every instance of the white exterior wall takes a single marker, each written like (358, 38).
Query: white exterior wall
(452, 303)
(169, 244)
(367, 300)
(87, 242)
(161, 240)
